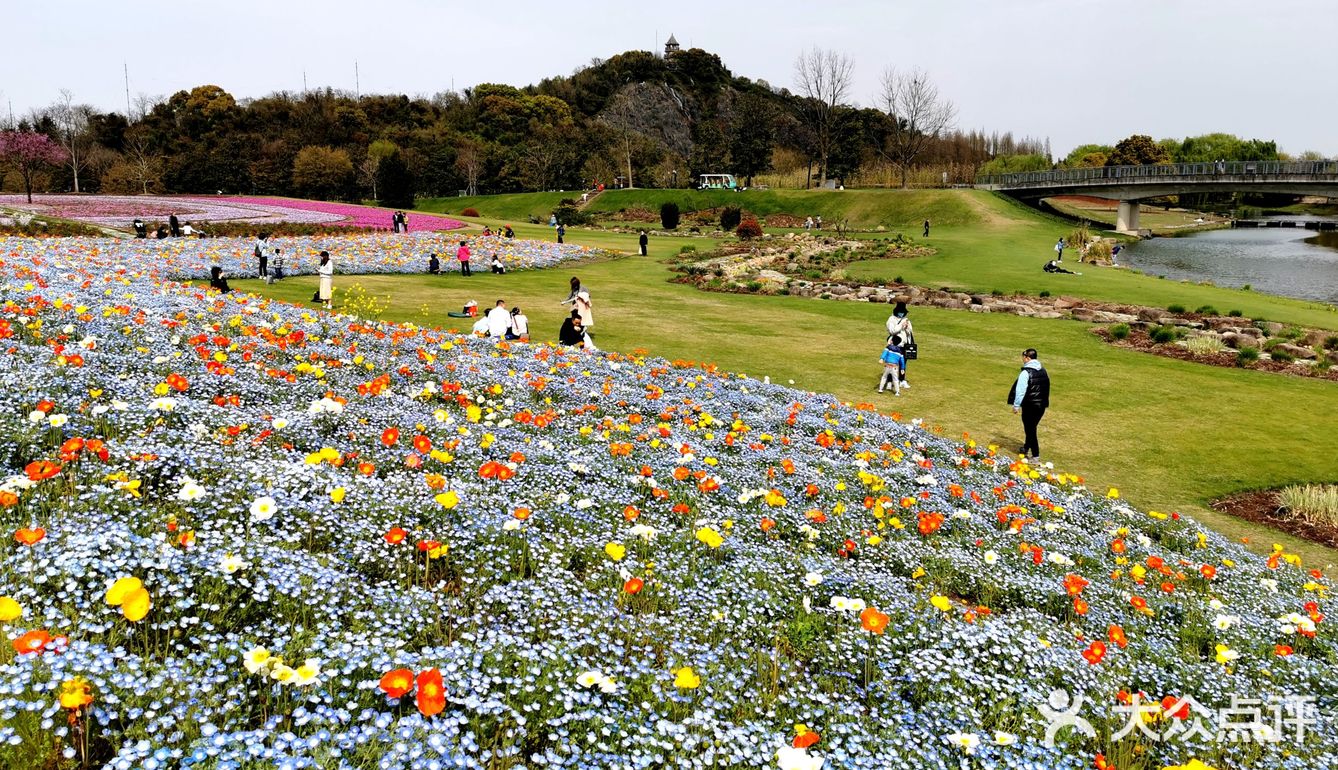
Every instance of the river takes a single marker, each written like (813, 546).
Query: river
(1273, 260)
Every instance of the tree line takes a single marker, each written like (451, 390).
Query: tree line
(635, 119)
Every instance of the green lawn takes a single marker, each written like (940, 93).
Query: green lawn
(1171, 435)
(513, 209)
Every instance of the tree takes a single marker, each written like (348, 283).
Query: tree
(669, 215)
(916, 115)
(376, 152)
(322, 172)
(753, 132)
(71, 122)
(469, 162)
(824, 79)
(622, 118)
(1138, 150)
(1088, 155)
(395, 181)
(28, 153)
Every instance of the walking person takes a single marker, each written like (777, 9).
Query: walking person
(462, 255)
(926, 228)
(892, 361)
(174, 225)
(899, 325)
(561, 231)
(276, 267)
(1030, 396)
(326, 271)
(643, 240)
(262, 253)
(1059, 248)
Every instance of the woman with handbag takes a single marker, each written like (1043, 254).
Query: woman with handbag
(899, 325)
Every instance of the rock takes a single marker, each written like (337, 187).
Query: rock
(1252, 332)
(771, 276)
(1151, 314)
(1047, 314)
(1065, 303)
(1272, 327)
(1296, 351)
(979, 309)
(977, 299)
(1101, 316)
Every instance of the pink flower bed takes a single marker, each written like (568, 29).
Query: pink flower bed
(356, 216)
(121, 210)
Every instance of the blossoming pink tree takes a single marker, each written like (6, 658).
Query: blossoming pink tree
(28, 152)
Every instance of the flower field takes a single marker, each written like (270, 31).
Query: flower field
(239, 534)
(187, 258)
(121, 210)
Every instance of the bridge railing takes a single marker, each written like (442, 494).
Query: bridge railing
(1134, 174)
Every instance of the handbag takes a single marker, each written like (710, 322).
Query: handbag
(911, 350)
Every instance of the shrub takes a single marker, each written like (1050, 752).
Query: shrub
(749, 229)
(1281, 356)
(688, 249)
(1207, 310)
(1246, 287)
(1316, 503)
(1235, 313)
(1045, 292)
(1292, 332)
(1246, 356)
(1205, 345)
(754, 286)
(1164, 334)
(1331, 342)
(996, 292)
(669, 215)
(1119, 331)
(899, 279)
(730, 217)
(470, 212)
(569, 215)
(1176, 308)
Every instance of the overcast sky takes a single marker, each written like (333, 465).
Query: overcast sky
(1075, 71)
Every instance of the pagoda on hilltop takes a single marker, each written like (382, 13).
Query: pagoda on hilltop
(671, 46)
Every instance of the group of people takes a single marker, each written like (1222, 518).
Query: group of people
(1029, 396)
(270, 267)
(811, 223)
(463, 257)
(269, 258)
(399, 222)
(504, 231)
(173, 229)
(500, 323)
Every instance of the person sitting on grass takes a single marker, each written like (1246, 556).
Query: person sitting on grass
(1053, 266)
(217, 281)
(496, 265)
(520, 326)
(433, 264)
(892, 361)
(572, 333)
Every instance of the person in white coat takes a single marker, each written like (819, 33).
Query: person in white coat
(326, 271)
(499, 320)
(899, 325)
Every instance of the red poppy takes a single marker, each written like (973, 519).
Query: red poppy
(1168, 706)
(1079, 606)
(767, 524)
(422, 444)
(806, 739)
(398, 682)
(1095, 652)
(28, 536)
(178, 383)
(633, 585)
(1208, 571)
(1282, 650)
(1102, 763)
(395, 535)
(41, 470)
(1074, 584)
(44, 406)
(631, 513)
(390, 436)
(431, 697)
(33, 641)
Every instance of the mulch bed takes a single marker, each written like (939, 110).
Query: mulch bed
(1262, 507)
(1140, 340)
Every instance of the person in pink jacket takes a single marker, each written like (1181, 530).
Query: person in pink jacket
(463, 256)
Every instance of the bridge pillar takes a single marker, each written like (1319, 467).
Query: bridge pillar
(1126, 217)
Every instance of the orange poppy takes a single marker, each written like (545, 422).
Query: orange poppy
(1074, 584)
(873, 621)
(1208, 571)
(1282, 650)
(28, 536)
(33, 641)
(431, 698)
(805, 739)
(1094, 653)
(1168, 707)
(631, 513)
(390, 436)
(522, 513)
(422, 444)
(633, 585)
(41, 470)
(395, 536)
(1116, 635)
(766, 524)
(396, 683)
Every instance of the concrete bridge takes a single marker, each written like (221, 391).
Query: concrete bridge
(1131, 184)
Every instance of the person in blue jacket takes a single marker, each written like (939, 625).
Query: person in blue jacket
(893, 362)
(1030, 396)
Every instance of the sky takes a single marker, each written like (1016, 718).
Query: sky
(1073, 71)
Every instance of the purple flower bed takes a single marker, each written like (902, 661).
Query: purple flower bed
(121, 210)
(356, 216)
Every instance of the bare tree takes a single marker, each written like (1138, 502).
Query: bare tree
(621, 116)
(824, 79)
(146, 166)
(469, 162)
(917, 116)
(72, 131)
(144, 104)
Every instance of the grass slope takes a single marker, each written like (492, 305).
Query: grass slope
(1171, 435)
